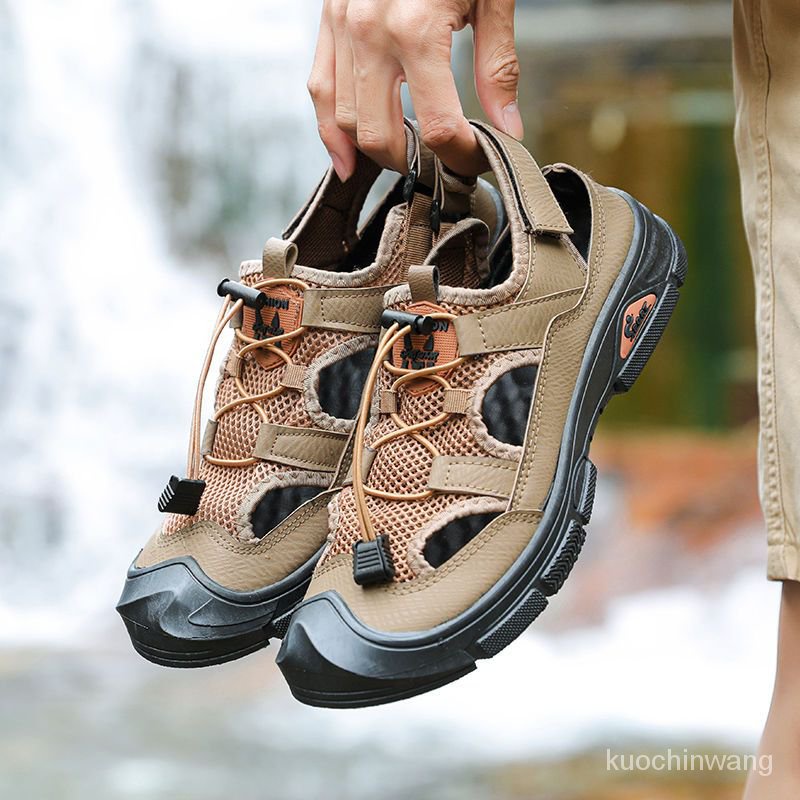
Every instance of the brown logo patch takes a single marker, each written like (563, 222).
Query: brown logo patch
(420, 351)
(281, 314)
(633, 321)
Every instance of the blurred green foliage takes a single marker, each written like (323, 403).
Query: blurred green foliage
(653, 114)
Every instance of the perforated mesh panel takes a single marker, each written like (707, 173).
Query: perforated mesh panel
(400, 519)
(403, 465)
(228, 488)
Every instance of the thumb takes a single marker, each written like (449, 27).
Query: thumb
(497, 65)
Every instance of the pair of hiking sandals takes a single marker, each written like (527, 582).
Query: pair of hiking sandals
(395, 477)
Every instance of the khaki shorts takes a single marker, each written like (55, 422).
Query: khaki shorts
(766, 51)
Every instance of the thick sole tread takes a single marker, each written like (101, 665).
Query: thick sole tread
(513, 625)
(557, 573)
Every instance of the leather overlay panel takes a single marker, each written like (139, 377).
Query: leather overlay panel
(556, 267)
(209, 435)
(518, 326)
(337, 309)
(307, 448)
(563, 351)
(439, 595)
(245, 566)
(540, 210)
(480, 475)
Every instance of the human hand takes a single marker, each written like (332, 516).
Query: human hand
(367, 48)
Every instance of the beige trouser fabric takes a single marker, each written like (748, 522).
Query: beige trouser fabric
(766, 50)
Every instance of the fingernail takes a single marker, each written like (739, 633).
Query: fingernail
(512, 120)
(339, 167)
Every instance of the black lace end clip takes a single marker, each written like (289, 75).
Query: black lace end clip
(181, 496)
(372, 561)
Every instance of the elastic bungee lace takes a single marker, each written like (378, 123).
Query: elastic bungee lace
(360, 490)
(270, 343)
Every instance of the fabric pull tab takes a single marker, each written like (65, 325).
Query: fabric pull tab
(209, 435)
(424, 283)
(294, 376)
(278, 258)
(388, 404)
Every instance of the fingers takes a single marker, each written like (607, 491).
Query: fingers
(377, 77)
(443, 126)
(345, 104)
(366, 48)
(322, 88)
(380, 130)
(497, 65)
(411, 39)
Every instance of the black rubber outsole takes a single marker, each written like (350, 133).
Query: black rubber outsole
(329, 658)
(176, 616)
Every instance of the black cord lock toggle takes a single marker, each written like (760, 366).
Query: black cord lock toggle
(408, 186)
(436, 216)
(420, 323)
(252, 298)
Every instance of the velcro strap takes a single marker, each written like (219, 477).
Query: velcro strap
(479, 475)
(517, 326)
(294, 376)
(537, 206)
(209, 435)
(388, 402)
(456, 401)
(307, 448)
(357, 310)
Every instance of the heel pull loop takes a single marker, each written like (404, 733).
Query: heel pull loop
(424, 283)
(278, 258)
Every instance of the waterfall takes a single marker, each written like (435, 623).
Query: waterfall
(142, 158)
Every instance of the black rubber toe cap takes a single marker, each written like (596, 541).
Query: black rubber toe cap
(178, 617)
(331, 659)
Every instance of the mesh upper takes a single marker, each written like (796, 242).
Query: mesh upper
(229, 488)
(229, 493)
(403, 465)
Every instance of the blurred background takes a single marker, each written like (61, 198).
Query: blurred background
(146, 147)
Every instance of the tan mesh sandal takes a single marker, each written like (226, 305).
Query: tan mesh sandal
(247, 523)
(466, 504)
